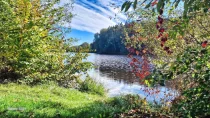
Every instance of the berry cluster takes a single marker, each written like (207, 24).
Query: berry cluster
(163, 37)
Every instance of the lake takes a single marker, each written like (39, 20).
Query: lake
(114, 72)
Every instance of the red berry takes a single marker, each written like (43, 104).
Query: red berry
(169, 52)
(204, 44)
(161, 30)
(166, 48)
(163, 39)
(160, 35)
(160, 20)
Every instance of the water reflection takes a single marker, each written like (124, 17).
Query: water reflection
(122, 76)
(114, 72)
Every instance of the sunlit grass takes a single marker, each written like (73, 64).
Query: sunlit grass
(44, 101)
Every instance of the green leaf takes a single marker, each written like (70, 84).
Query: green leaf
(147, 83)
(153, 10)
(148, 5)
(135, 4)
(208, 65)
(123, 6)
(177, 3)
(143, 2)
(162, 82)
(128, 6)
(160, 5)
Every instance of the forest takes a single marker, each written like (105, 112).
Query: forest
(43, 75)
(110, 41)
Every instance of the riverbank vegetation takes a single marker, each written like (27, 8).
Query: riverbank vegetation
(178, 46)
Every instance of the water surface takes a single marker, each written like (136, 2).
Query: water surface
(114, 72)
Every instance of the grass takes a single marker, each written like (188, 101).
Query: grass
(91, 86)
(51, 101)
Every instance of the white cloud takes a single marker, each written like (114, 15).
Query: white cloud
(92, 17)
(89, 20)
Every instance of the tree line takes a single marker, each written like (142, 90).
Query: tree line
(110, 41)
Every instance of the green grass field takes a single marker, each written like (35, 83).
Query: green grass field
(46, 101)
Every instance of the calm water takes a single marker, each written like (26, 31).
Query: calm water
(114, 72)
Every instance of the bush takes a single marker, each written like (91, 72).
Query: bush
(191, 70)
(196, 95)
(32, 49)
(89, 85)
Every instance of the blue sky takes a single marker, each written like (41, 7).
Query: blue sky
(82, 36)
(93, 15)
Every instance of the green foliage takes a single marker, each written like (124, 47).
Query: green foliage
(90, 86)
(32, 49)
(110, 41)
(135, 4)
(194, 63)
(189, 5)
(192, 68)
(188, 66)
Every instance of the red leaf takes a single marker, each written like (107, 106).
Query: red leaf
(154, 3)
(147, 73)
(134, 60)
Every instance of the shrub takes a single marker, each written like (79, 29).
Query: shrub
(89, 85)
(32, 48)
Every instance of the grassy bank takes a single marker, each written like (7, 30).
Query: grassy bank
(44, 101)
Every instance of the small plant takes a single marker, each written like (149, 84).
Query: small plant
(91, 86)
